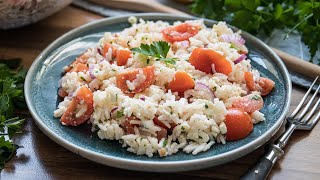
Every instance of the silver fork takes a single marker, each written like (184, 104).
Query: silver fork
(304, 117)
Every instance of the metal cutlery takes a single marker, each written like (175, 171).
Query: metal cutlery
(304, 117)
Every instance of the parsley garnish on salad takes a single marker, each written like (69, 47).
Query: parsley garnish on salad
(158, 50)
(11, 98)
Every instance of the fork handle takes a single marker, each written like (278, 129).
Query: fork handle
(263, 167)
(259, 171)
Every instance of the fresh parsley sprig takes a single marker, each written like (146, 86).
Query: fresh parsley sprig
(11, 98)
(158, 50)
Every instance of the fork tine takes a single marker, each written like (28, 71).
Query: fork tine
(306, 108)
(294, 113)
(315, 120)
(309, 115)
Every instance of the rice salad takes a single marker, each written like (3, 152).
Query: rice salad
(159, 88)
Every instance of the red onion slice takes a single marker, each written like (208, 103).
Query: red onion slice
(99, 51)
(114, 109)
(242, 57)
(143, 98)
(236, 40)
(91, 67)
(208, 92)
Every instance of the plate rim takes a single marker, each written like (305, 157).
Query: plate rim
(154, 166)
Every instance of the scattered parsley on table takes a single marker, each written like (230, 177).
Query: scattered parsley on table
(11, 98)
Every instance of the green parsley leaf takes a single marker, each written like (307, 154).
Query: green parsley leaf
(120, 113)
(165, 142)
(158, 50)
(206, 106)
(13, 125)
(255, 97)
(7, 151)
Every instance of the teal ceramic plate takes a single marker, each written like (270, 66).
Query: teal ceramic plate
(41, 95)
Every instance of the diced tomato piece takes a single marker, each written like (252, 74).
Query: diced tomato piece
(132, 75)
(122, 57)
(79, 67)
(239, 124)
(157, 122)
(249, 103)
(248, 77)
(106, 48)
(83, 97)
(181, 82)
(162, 133)
(128, 127)
(82, 59)
(180, 32)
(202, 58)
(265, 86)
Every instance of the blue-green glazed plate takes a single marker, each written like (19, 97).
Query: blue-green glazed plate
(41, 95)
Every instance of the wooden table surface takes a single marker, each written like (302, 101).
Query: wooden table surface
(41, 158)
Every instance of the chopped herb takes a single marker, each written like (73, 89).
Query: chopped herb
(206, 106)
(182, 128)
(96, 71)
(158, 49)
(171, 61)
(214, 88)
(116, 97)
(255, 97)
(234, 47)
(113, 70)
(120, 113)
(82, 78)
(148, 61)
(164, 143)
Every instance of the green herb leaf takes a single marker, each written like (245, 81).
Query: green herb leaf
(165, 142)
(7, 150)
(120, 113)
(255, 97)
(13, 125)
(158, 50)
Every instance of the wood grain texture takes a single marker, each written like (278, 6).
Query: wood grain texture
(41, 158)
